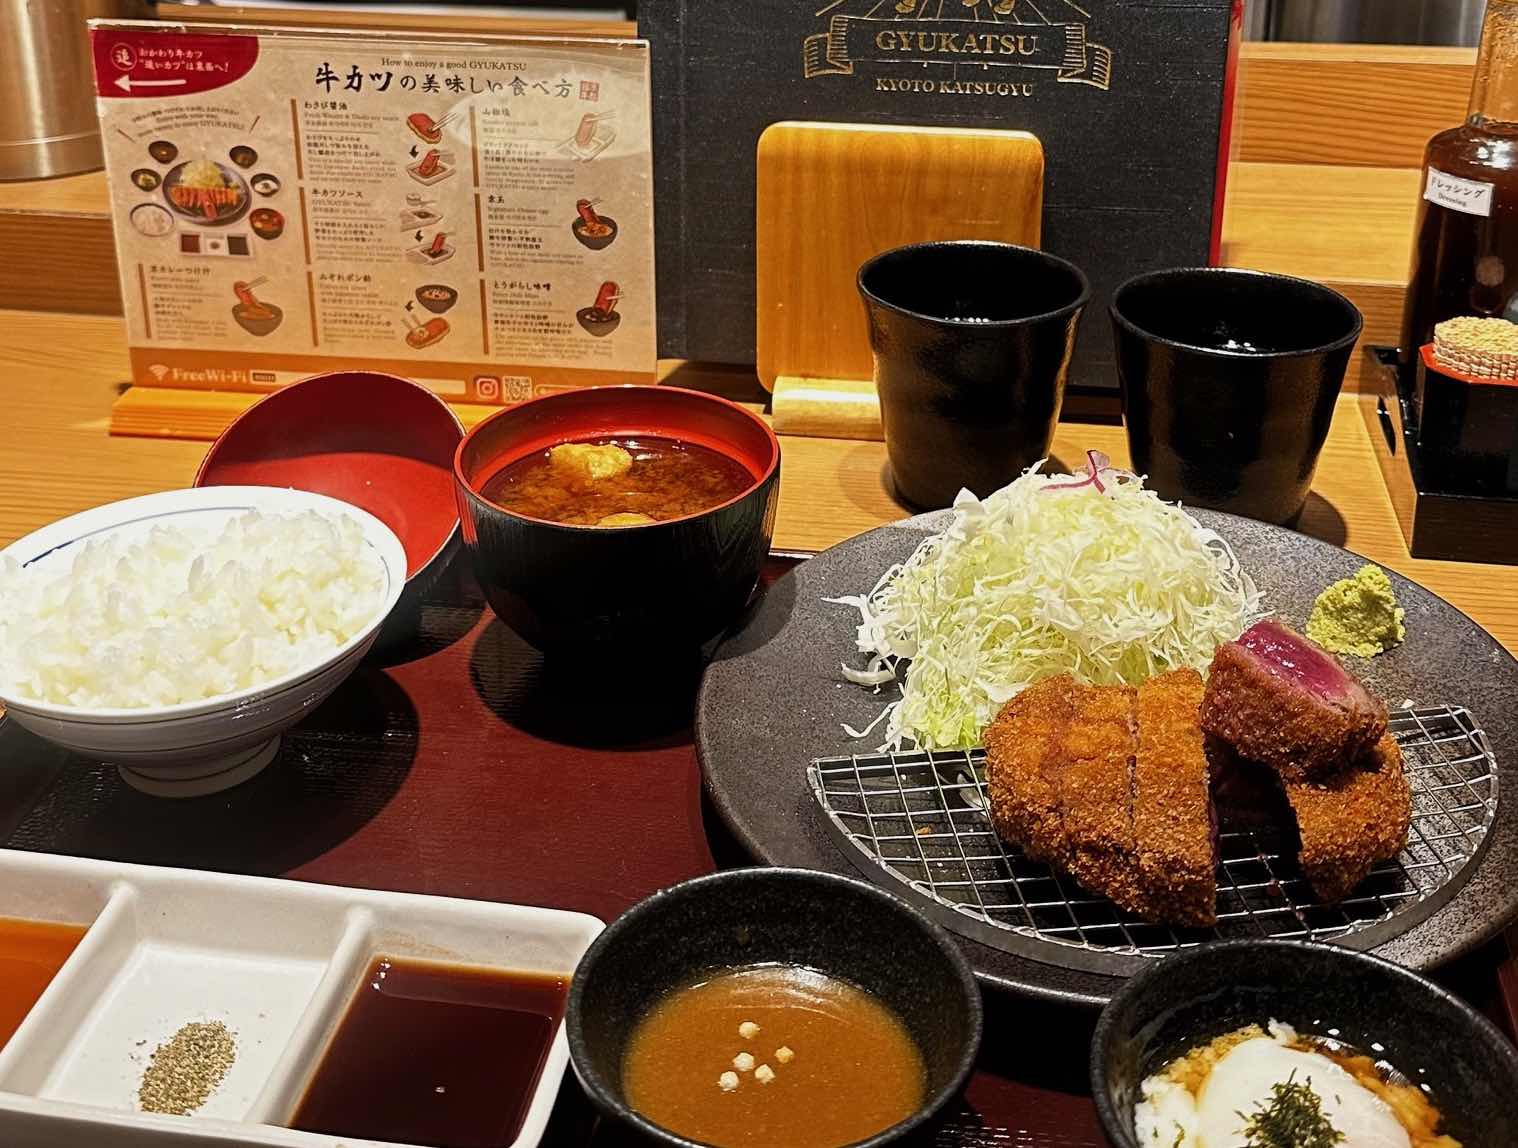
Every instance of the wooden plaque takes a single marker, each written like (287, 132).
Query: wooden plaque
(830, 196)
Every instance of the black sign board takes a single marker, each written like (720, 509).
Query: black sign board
(1129, 97)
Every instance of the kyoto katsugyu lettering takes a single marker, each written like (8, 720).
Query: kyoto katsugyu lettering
(968, 47)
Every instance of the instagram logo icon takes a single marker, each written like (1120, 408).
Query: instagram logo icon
(487, 387)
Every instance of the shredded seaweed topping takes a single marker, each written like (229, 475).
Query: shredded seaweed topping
(1293, 1119)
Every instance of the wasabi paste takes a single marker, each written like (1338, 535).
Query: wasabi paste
(1358, 615)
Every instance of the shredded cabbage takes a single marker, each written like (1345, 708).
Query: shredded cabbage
(1096, 577)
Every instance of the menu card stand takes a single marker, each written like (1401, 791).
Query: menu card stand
(830, 196)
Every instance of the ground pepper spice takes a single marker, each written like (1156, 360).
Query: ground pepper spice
(185, 1069)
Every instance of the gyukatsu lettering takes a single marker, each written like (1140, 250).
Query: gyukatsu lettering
(955, 87)
(957, 43)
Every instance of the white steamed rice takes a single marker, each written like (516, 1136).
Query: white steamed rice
(186, 613)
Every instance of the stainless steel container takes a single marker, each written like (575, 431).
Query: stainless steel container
(47, 89)
(1366, 21)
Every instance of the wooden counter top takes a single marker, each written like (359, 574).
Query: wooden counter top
(56, 458)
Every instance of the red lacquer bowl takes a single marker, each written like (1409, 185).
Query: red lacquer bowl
(376, 441)
(661, 588)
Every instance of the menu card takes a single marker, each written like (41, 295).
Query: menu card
(471, 213)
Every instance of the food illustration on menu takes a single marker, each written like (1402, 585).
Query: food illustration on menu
(419, 334)
(427, 129)
(436, 297)
(266, 223)
(434, 167)
(206, 192)
(203, 201)
(592, 229)
(432, 251)
(595, 134)
(437, 208)
(600, 318)
(419, 211)
(252, 314)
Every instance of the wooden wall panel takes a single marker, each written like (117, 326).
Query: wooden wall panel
(454, 21)
(1366, 105)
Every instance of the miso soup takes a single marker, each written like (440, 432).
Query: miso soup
(618, 481)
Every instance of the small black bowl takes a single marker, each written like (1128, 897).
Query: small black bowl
(1229, 379)
(1429, 1035)
(836, 925)
(653, 591)
(972, 343)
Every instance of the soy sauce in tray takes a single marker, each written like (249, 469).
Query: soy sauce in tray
(437, 1054)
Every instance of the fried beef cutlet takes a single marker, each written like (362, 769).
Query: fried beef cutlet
(1096, 794)
(1352, 819)
(1174, 829)
(1280, 699)
(1024, 756)
(1116, 786)
(1245, 794)
(1077, 781)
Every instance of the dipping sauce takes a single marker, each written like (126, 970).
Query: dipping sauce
(427, 1053)
(584, 483)
(773, 1056)
(31, 953)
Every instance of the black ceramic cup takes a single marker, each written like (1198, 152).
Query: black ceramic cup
(652, 591)
(835, 925)
(1229, 379)
(972, 341)
(1426, 1033)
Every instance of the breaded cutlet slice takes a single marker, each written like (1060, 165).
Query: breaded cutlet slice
(1352, 819)
(1245, 794)
(1024, 755)
(1281, 699)
(1096, 794)
(1174, 830)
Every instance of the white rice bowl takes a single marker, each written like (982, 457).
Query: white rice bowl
(188, 608)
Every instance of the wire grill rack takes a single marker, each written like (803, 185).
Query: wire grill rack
(920, 817)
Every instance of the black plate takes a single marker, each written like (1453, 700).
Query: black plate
(773, 699)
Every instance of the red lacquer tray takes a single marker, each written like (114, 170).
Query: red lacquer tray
(465, 768)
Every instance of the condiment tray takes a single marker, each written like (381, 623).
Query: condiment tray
(276, 961)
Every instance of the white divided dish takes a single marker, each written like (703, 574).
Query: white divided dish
(277, 962)
(200, 747)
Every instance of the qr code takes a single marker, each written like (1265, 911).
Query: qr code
(516, 388)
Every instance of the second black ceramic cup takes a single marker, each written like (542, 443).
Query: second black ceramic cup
(972, 341)
(1229, 379)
